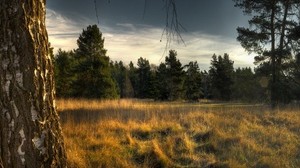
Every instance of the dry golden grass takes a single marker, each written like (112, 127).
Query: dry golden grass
(134, 133)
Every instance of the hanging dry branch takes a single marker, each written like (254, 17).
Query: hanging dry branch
(173, 28)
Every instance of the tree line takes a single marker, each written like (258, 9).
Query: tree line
(87, 72)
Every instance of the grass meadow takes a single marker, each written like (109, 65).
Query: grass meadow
(136, 133)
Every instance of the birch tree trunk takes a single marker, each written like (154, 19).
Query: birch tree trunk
(30, 134)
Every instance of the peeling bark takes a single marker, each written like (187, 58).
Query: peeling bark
(30, 134)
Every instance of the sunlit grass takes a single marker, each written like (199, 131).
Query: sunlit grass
(135, 133)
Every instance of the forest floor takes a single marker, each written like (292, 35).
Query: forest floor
(136, 133)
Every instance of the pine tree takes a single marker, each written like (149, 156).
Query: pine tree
(93, 71)
(270, 37)
(63, 71)
(162, 84)
(133, 78)
(121, 76)
(221, 72)
(193, 82)
(144, 75)
(175, 76)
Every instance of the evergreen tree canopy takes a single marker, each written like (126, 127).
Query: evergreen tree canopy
(246, 86)
(63, 70)
(193, 81)
(121, 75)
(133, 77)
(143, 74)
(171, 75)
(221, 72)
(93, 72)
(162, 82)
(90, 43)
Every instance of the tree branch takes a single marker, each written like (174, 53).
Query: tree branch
(173, 28)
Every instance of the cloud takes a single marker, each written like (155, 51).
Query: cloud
(130, 45)
(128, 42)
(62, 32)
(202, 46)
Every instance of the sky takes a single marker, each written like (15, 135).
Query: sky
(134, 28)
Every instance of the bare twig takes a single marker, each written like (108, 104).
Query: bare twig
(96, 10)
(173, 28)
